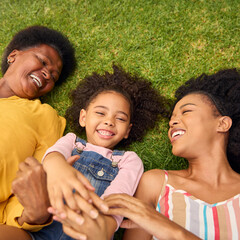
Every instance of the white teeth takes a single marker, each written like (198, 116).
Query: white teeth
(105, 133)
(36, 80)
(180, 132)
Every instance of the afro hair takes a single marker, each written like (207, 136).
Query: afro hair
(36, 35)
(223, 89)
(147, 105)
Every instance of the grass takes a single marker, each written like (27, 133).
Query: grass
(165, 41)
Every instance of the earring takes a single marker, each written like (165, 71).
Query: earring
(8, 61)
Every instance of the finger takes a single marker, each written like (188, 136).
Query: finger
(85, 181)
(119, 196)
(69, 199)
(125, 212)
(71, 160)
(128, 224)
(56, 199)
(72, 218)
(31, 161)
(123, 200)
(98, 202)
(74, 234)
(86, 207)
(22, 166)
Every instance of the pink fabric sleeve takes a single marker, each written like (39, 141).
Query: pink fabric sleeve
(64, 146)
(130, 171)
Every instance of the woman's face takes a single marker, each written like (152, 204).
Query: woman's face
(32, 72)
(193, 126)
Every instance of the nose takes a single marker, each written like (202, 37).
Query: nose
(174, 121)
(109, 122)
(46, 73)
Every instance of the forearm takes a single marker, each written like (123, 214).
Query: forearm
(111, 225)
(53, 160)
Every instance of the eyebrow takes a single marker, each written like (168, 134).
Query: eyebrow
(100, 106)
(50, 60)
(186, 104)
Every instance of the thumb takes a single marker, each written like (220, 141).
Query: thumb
(71, 160)
(128, 224)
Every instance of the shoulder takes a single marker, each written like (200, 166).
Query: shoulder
(130, 154)
(131, 158)
(150, 186)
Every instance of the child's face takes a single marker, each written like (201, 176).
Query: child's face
(106, 119)
(193, 126)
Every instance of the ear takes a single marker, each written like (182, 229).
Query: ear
(82, 118)
(224, 124)
(128, 131)
(12, 56)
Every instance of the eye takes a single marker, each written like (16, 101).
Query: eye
(54, 78)
(122, 119)
(186, 111)
(100, 113)
(44, 63)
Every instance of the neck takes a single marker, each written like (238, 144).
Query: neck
(4, 90)
(212, 168)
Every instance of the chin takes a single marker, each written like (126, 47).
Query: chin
(177, 152)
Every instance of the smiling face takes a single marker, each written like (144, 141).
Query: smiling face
(32, 72)
(106, 119)
(193, 126)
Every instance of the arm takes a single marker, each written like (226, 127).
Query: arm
(62, 179)
(30, 190)
(127, 179)
(144, 221)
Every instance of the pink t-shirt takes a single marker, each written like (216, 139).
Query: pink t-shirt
(130, 165)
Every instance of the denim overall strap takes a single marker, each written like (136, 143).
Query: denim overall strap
(96, 168)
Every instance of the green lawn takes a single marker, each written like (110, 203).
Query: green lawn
(165, 41)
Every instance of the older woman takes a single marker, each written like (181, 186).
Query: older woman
(35, 60)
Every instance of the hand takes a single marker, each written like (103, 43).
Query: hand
(84, 206)
(142, 215)
(63, 180)
(30, 188)
(81, 225)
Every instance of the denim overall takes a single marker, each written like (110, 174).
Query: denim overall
(99, 170)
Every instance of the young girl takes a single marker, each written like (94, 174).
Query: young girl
(115, 110)
(203, 201)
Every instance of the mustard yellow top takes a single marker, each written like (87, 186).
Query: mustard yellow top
(27, 128)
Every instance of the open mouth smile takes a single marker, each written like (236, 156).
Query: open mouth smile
(105, 133)
(175, 134)
(36, 80)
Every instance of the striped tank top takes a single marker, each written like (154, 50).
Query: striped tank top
(207, 221)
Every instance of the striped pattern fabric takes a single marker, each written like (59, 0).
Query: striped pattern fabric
(207, 221)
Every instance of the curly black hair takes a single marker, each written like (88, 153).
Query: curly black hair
(36, 35)
(146, 104)
(223, 90)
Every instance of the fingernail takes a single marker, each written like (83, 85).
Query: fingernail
(104, 207)
(82, 238)
(63, 215)
(94, 213)
(80, 220)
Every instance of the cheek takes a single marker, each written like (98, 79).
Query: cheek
(49, 87)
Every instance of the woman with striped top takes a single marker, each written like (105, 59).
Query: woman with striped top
(202, 201)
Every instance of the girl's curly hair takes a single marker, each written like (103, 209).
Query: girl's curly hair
(223, 90)
(146, 104)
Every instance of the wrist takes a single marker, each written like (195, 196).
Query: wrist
(31, 220)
